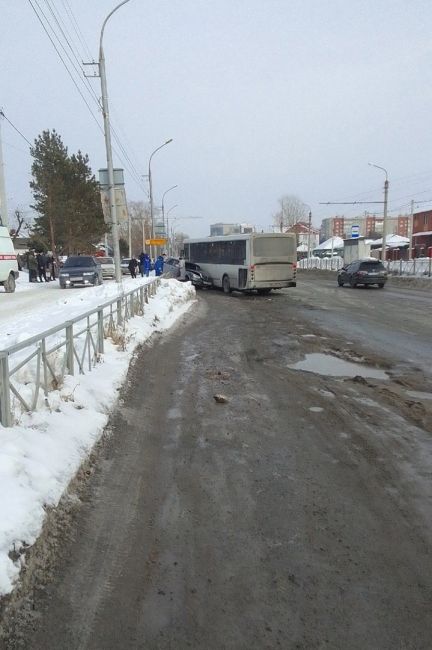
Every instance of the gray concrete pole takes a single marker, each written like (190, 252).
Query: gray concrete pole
(4, 219)
(309, 237)
(386, 186)
(151, 191)
(410, 230)
(384, 238)
(163, 209)
(107, 131)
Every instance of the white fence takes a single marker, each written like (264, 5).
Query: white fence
(420, 267)
(32, 368)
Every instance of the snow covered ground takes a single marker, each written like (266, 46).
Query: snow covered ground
(41, 454)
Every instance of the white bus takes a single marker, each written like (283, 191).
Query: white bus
(244, 262)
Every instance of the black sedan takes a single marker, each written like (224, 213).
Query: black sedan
(82, 270)
(366, 272)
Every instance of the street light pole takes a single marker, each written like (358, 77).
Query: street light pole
(163, 212)
(386, 186)
(107, 131)
(167, 217)
(151, 190)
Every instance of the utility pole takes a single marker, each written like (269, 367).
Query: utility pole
(151, 192)
(107, 131)
(309, 237)
(4, 219)
(386, 186)
(384, 239)
(410, 230)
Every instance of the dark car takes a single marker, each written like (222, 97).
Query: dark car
(194, 274)
(80, 270)
(364, 272)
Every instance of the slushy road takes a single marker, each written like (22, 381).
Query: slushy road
(297, 514)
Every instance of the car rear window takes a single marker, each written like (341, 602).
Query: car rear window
(371, 266)
(105, 260)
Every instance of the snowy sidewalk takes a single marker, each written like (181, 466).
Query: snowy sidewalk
(41, 454)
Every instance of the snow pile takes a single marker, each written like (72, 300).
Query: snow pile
(323, 263)
(41, 454)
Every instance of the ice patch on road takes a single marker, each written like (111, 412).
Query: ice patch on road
(418, 394)
(328, 365)
(316, 409)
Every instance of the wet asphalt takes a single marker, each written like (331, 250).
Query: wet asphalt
(294, 514)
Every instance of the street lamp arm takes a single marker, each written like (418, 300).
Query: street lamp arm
(162, 145)
(106, 20)
(379, 167)
(168, 190)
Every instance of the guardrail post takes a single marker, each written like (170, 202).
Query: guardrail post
(131, 308)
(5, 407)
(414, 265)
(119, 312)
(146, 293)
(141, 299)
(45, 369)
(400, 266)
(430, 266)
(69, 349)
(100, 345)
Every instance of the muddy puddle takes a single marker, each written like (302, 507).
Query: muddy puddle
(330, 366)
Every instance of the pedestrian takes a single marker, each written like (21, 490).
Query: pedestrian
(141, 263)
(32, 266)
(182, 265)
(41, 266)
(159, 264)
(132, 267)
(146, 265)
(51, 264)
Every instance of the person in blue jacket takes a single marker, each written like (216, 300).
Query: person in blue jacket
(159, 264)
(144, 262)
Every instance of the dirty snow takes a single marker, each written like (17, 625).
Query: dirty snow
(43, 451)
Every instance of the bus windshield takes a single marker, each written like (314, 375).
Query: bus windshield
(273, 247)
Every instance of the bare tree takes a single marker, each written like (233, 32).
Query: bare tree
(140, 225)
(292, 210)
(21, 223)
(178, 241)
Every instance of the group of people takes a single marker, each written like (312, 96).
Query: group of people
(41, 266)
(143, 265)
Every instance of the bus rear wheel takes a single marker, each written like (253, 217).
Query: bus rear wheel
(226, 284)
(263, 292)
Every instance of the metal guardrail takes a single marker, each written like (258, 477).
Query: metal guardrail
(419, 267)
(75, 345)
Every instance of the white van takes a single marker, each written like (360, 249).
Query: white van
(8, 261)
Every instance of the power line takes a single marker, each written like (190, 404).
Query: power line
(14, 127)
(135, 175)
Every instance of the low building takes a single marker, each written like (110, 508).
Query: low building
(221, 229)
(301, 230)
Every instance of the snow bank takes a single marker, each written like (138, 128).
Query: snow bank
(40, 455)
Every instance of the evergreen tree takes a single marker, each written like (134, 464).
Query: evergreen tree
(66, 195)
(49, 171)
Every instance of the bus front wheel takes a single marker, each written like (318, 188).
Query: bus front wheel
(226, 284)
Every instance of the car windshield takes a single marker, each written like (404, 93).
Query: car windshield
(79, 261)
(371, 266)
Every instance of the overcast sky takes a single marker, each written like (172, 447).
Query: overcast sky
(261, 97)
